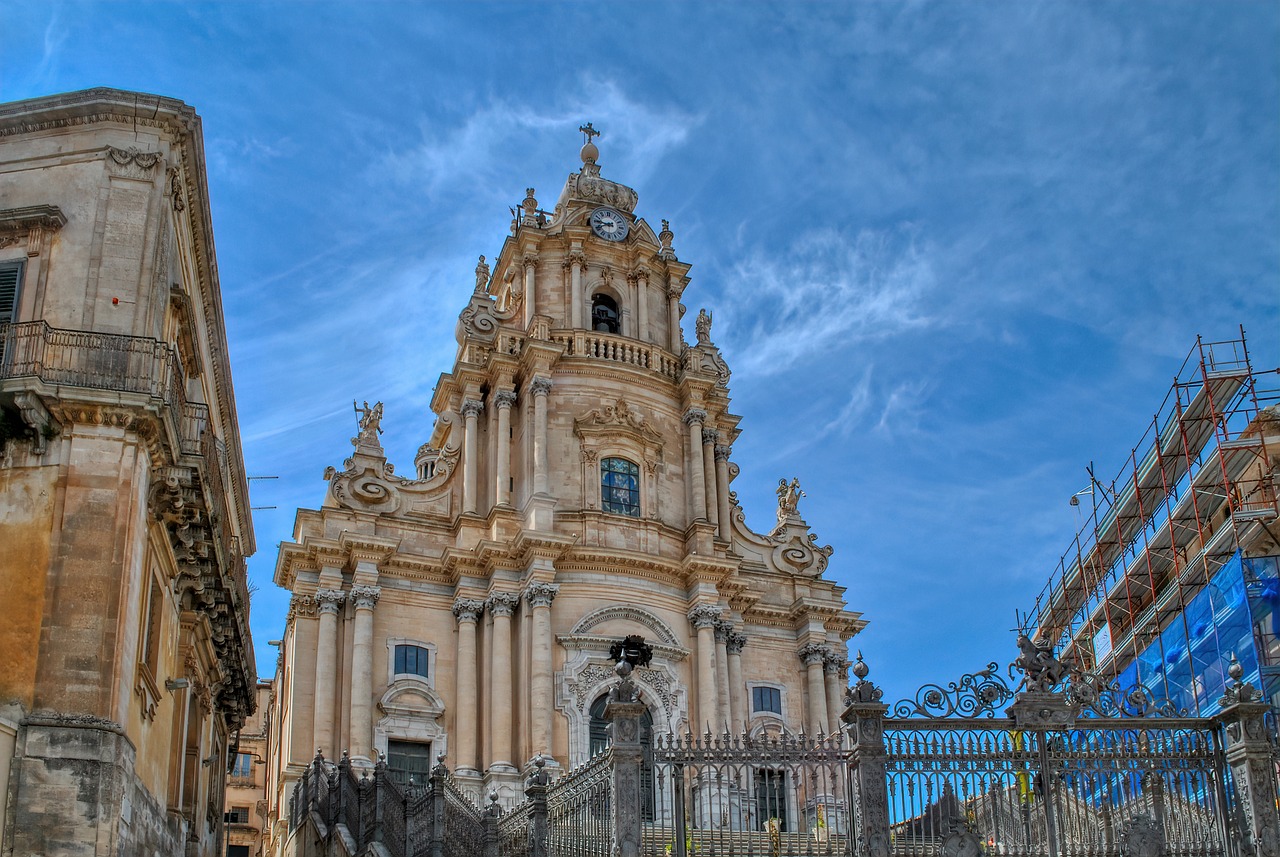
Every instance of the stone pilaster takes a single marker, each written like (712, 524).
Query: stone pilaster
(361, 740)
(704, 618)
(503, 400)
(694, 418)
(812, 656)
(501, 606)
(471, 410)
(467, 716)
(539, 597)
(328, 604)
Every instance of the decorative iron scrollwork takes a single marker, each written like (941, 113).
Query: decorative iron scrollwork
(974, 695)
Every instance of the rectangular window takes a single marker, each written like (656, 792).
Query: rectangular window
(243, 765)
(237, 851)
(771, 798)
(237, 815)
(411, 660)
(406, 759)
(766, 699)
(10, 279)
(151, 635)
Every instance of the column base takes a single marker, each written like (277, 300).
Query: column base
(503, 778)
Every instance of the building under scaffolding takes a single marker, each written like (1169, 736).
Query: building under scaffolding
(1175, 568)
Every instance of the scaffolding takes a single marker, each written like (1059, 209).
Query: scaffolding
(1186, 500)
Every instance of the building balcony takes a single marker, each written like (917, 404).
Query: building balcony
(617, 349)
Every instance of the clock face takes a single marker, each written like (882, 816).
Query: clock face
(609, 224)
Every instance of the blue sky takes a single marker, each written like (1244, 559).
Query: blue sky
(955, 251)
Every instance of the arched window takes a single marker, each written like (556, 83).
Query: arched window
(604, 314)
(620, 487)
(599, 738)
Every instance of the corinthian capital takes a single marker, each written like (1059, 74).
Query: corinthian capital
(365, 597)
(504, 399)
(694, 415)
(467, 610)
(812, 653)
(710, 436)
(472, 408)
(502, 603)
(541, 594)
(704, 616)
(330, 600)
(540, 386)
(722, 451)
(736, 642)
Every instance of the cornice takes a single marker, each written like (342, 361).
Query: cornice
(29, 217)
(592, 643)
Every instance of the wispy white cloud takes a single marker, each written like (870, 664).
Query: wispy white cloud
(828, 289)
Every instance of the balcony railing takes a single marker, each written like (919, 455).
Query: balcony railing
(619, 349)
(106, 361)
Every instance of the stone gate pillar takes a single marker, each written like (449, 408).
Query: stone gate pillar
(869, 803)
(1249, 755)
(623, 713)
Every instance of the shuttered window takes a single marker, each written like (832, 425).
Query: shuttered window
(10, 278)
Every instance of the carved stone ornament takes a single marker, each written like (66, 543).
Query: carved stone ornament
(1142, 836)
(178, 199)
(722, 451)
(502, 603)
(477, 321)
(592, 188)
(365, 597)
(541, 594)
(960, 840)
(329, 600)
(704, 616)
(812, 653)
(540, 386)
(694, 415)
(368, 482)
(468, 609)
(800, 552)
(736, 643)
(504, 399)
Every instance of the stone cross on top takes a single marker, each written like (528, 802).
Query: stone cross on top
(589, 131)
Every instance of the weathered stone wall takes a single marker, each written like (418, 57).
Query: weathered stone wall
(76, 794)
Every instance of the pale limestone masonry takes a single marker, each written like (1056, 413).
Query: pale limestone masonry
(505, 568)
(125, 659)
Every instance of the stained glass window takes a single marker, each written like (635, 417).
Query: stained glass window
(620, 487)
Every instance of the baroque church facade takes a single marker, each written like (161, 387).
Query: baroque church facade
(575, 490)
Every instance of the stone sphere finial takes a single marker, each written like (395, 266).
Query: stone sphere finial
(623, 669)
(1235, 670)
(589, 154)
(860, 669)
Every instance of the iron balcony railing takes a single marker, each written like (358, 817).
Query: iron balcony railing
(106, 361)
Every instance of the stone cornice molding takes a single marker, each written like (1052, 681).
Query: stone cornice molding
(365, 597)
(541, 594)
(594, 643)
(502, 603)
(30, 219)
(467, 610)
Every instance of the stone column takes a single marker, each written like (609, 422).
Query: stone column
(530, 269)
(540, 387)
(673, 315)
(722, 491)
(501, 606)
(812, 656)
(539, 597)
(642, 301)
(503, 400)
(467, 612)
(328, 602)
(1252, 766)
(738, 713)
(704, 618)
(470, 465)
(364, 598)
(694, 418)
(864, 724)
(724, 716)
(833, 670)
(577, 262)
(709, 439)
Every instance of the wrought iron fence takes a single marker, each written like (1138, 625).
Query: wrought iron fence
(579, 817)
(773, 796)
(514, 831)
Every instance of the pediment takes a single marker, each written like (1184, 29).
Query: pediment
(411, 698)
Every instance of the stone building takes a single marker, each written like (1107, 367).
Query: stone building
(125, 658)
(575, 490)
(246, 803)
